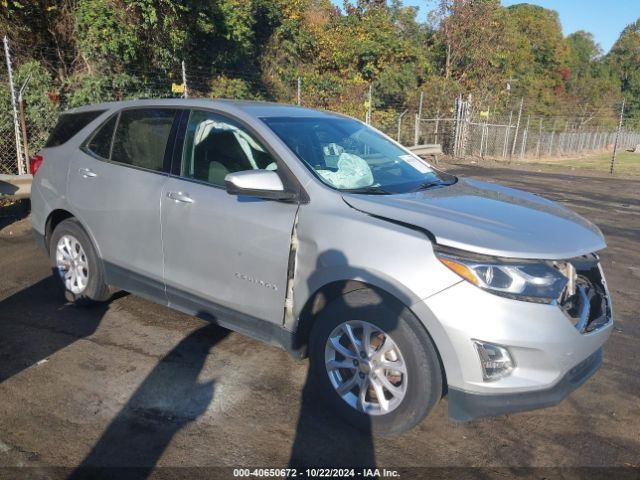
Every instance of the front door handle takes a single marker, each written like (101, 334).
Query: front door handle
(180, 197)
(87, 173)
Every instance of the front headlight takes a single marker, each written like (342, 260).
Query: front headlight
(534, 281)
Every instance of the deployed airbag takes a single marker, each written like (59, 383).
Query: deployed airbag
(353, 172)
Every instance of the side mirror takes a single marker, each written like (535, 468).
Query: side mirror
(257, 183)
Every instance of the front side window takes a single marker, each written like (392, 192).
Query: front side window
(216, 145)
(350, 156)
(141, 137)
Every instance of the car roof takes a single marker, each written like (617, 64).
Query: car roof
(253, 108)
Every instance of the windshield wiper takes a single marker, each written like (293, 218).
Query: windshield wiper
(427, 185)
(372, 189)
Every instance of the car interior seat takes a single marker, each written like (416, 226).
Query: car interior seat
(217, 155)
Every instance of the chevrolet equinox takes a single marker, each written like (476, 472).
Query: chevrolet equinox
(312, 231)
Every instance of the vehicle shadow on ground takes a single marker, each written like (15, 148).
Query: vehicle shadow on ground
(49, 324)
(12, 211)
(323, 438)
(167, 400)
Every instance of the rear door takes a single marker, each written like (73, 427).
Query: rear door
(115, 184)
(225, 255)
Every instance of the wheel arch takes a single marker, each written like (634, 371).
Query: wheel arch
(329, 292)
(59, 215)
(53, 220)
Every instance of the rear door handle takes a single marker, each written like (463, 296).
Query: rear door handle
(87, 173)
(180, 197)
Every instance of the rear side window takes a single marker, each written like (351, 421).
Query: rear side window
(100, 143)
(141, 137)
(69, 124)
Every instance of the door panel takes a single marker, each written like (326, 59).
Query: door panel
(227, 250)
(121, 208)
(120, 202)
(222, 250)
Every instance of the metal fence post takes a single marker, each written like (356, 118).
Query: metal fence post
(367, 119)
(515, 136)
(400, 124)
(457, 125)
(525, 134)
(466, 126)
(553, 132)
(23, 123)
(184, 81)
(615, 144)
(485, 134)
(507, 132)
(482, 134)
(539, 139)
(14, 107)
(416, 134)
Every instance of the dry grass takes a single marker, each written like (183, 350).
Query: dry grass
(627, 163)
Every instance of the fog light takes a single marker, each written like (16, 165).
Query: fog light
(494, 360)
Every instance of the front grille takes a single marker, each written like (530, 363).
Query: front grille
(588, 306)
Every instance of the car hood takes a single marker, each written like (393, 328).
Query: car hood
(489, 219)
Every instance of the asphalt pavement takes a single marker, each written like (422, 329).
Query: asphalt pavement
(132, 383)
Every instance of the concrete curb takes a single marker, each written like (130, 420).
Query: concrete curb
(15, 186)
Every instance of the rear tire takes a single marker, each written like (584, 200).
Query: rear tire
(76, 265)
(412, 383)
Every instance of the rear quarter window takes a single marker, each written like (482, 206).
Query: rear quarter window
(100, 141)
(69, 124)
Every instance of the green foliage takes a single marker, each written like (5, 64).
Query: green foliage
(40, 101)
(234, 88)
(624, 61)
(99, 50)
(104, 33)
(583, 52)
(538, 55)
(86, 89)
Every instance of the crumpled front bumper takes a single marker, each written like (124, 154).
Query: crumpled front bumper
(552, 357)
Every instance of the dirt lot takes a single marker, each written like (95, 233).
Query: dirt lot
(133, 383)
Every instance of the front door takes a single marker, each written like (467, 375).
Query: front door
(225, 256)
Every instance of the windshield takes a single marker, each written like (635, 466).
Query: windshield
(350, 156)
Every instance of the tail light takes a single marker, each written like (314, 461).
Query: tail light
(36, 161)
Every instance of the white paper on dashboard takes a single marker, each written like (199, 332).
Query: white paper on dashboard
(415, 163)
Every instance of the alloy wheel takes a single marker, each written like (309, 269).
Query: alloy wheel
(72, 264)
(366, 367)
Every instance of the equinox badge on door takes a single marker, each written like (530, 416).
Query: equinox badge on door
(251, 279)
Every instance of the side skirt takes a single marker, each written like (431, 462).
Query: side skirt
(190, 304)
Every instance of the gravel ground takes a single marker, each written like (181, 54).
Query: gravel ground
(131, 383)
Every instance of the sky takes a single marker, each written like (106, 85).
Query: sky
(604, 18)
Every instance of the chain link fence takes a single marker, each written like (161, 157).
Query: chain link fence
(519, 135)
(8, 154)
(460, 129)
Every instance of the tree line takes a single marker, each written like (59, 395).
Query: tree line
(85, 51)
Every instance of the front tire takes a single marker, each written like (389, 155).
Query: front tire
(76, 264)
(374, 362)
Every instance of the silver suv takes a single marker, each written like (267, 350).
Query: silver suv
(317, 233)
